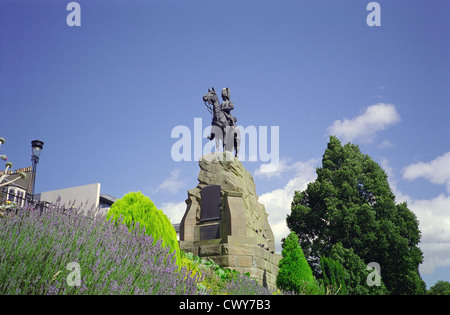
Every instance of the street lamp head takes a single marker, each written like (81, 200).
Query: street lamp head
(36, 147)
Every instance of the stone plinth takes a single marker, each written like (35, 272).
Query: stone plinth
(240, 237)
(241, 257)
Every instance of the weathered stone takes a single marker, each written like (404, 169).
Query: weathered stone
(225, 170)
(210, 250)
(245, 241)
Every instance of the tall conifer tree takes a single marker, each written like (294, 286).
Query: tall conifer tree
(351, 203)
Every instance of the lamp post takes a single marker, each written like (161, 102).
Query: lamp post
(36, 148)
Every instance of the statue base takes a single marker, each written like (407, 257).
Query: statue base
(242, 257)
(225, 222)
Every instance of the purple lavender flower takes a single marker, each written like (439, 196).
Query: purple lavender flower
(112, 259)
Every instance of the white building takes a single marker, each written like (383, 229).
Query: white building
(84, 198)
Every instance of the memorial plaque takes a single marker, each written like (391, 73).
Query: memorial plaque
(210, 232)
(210, 203)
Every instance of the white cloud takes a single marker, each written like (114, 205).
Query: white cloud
(174, 211)
(364, 127)
(434, 224)
(278, 201)
(172, 184)
(433, 214)
(436, 171)
(267, 170)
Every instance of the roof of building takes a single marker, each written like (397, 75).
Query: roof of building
(107, 199)
(24, 183)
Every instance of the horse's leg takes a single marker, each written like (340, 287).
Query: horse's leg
(211, 133)
(237, 141)
(217, 144)
(224, 134)
(215, 134)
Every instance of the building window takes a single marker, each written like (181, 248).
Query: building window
(16, 195)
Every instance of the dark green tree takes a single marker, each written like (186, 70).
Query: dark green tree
(440, 288)
(294, 273)
(333, 276)
(352, 273)
(351, 203)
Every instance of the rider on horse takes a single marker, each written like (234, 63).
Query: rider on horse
(228, 106)
(223, 123)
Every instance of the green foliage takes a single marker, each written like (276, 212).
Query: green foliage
(294, 273)
(211, 282)
(135, 209)
(354, 273)
(218, 280)
(224, 274)
(440, 288)
(333, 275)
(351, 203)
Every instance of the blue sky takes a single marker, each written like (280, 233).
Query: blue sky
(105, 96)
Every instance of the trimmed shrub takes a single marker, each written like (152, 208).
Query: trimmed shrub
(295, 274)
(138, 210)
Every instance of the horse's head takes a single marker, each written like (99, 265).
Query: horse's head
(210, 97)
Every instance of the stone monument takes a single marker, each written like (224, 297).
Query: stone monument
(225, 222)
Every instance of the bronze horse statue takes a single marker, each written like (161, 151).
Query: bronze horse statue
(221, 126)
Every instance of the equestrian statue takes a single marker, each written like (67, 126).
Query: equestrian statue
(223, 125)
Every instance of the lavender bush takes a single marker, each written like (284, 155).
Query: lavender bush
(35, 249)
(244, 285)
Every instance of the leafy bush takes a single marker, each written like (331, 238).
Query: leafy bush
(210, 281)
(355, 272)
(440, 288)
(294, 272)
(219, 280)
(333, 276)
(135, 208)
(35, 250)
